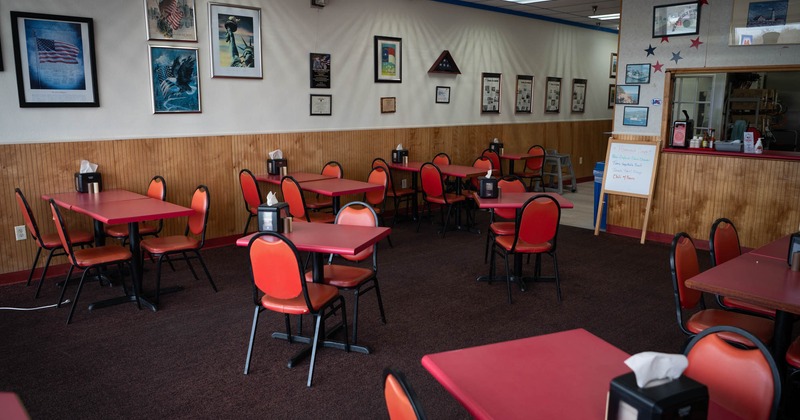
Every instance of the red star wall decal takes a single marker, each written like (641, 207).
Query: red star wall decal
(657, 67)
(696, 43)
(703, 2)
(664, 39)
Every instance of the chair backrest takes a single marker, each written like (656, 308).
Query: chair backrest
(441, 159)
(509, 184)
(276, 267)
(27, 214)
(683, 266)
(495, 158)
(536, 164)
(250, 191)
(333, 169)
(401, 400)
(380, 163)
(377, 176)
(201, 201)
(358, 213)
(157, 188)
(723, 241)
(481, 162)
(743, 381)
(63, 233)
(293, 196)
(538, 221)
(431, 178)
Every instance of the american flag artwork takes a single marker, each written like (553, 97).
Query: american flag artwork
(171, 13)
(52, 51)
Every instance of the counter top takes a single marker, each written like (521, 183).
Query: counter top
(768, 154)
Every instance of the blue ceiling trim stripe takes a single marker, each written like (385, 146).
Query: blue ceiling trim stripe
(527, 15)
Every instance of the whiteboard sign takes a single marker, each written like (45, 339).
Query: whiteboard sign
(630, 168)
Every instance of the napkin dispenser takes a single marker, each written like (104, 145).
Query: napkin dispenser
(488, 188)
(274, 166)
(84, 181)
(681, 398)
(496, 147)
(398, 155)
(794, 248)
(270, 217)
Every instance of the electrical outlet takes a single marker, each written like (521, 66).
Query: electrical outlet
(20, 232)
(580, 160)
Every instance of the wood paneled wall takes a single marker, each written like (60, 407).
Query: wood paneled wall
(216, 160)
(761, 197)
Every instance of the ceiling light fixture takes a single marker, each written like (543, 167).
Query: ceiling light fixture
(526, 1)
(610, 16)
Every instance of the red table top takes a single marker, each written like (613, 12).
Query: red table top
(757, 279)
(129, 211)
(334, 187)
(516, 156)
(778, 248)
(298, 176)
(74, 198)
(330, 239)
(461, 171)
(410, 166)
(565, 375)
(11, 407)
(516, 200)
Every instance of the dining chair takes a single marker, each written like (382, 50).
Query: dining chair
(724, 245)
(377, 199)
(401, 400)
(472, 187)
(683, 266)
(251, 194)
(535, 232)
(279, 285)
(792, 406)
(334, 170)
(398, 194)
(509, 184)
(293, 196)
(352, 277)
(49, 241)
(742, 381)
(441, 159)
(157, 189)
(534, 167)
(178, 247)
(87, 259)
(433, 191)
(495, 158)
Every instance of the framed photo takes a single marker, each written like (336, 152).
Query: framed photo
(612, 95)
(55, 60)
(320, 70)
(388, 60)
(442, 94)
(170, 20)
(552, 99)
(578, 95)
(676, 19)
(524, 100)
(174, 79)
(320, 104)
(612, 67)
(235, 33)
(637, 74)
(635, 115)
(388, 105)
(628, 94)
(490, 93)
(764, 23)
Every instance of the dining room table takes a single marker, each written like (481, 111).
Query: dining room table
(299, 176)
(119, 207)
(513, 157)
(412, 167)
(337, 187)
(778, 249)
(320, 239)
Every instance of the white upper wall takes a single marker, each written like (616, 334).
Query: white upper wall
(636, 31)
(479, 41)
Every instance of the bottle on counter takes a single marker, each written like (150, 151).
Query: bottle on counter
(759, 147)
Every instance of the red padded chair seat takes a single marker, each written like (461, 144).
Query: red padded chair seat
(77, 237)
(750, 307)
(169, 244)
(503, 228)
(343, 276)
(318, 294)
(793, 354)
(105, 254)
(121, 231)
(451, 198)
(507, 241)
(759, 327)
(399, 192)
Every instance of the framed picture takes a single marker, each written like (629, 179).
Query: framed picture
(170, 20)
(174, 79)
(320, 70)
(388, 105)
(637, 74)
(524, 100)
(552, 99)
(612, 95)
(676, 19)
(490, 93)
(628, 94)
(55, 60)
(635, 115)
(578, 95)
(612, 67)
(764, 23)
(388, 59)
(235, 33)
(321, 104)
(442, 94)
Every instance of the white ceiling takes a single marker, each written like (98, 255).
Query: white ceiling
(575, 11)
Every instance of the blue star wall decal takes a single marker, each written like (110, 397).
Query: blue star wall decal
(651, 50)
(676, 56)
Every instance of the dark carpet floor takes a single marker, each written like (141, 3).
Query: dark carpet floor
(187, 359)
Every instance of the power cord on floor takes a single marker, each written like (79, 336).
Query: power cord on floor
(10, 308)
